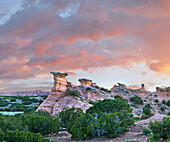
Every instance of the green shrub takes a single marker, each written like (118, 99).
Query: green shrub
(69, 114)
(155, 95)
(160, 129)
(104, 89)
(146, 131)
(147, 110)
(118, 97)
(110, 106)
(88, 88)
(169, 113)
(168, 103)
(136, 100)
(12, 100)
(24, 136)
(84, 127)
(73, 92)
(27, 102)
(164, 102)
(113, 124)
(143, 117)
(4, 103)
(2, 135)
(162, 108)
(41, 122)
(156, 100)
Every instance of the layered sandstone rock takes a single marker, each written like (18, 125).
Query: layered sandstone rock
(163, 91)
(60, 99)
(85, 82)
(60, 82)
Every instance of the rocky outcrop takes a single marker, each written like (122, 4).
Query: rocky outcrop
(163, 91)
(60, 98)
(141, 90)
(85, 82)
(60, 82)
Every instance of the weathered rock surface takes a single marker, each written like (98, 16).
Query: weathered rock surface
(60, 98)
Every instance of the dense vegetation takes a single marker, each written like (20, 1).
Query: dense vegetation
(107, 117)
(35, 122)
(160, 129)
(20, 103)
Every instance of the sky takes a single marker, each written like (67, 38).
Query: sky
(107, 41)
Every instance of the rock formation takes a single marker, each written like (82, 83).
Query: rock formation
(163, 91)
(60, 97)
(85, 82)
(60, 82)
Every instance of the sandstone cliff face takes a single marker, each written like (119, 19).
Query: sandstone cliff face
(60, 98)
(163, 91)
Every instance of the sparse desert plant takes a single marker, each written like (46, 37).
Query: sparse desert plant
(136, 100)
(88, 88)
(73, 92)
(146, 131)
(156, 100)
(168, 103)
(147, 110)
(118, 97)
(155, 95)
(162, 108)
(164, 102)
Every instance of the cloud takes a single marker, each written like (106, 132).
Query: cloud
(70, 35)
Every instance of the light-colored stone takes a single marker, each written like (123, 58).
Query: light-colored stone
(85, 82)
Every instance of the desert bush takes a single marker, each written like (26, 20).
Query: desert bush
(24, 136)
(69, 114)
(104, 89)
(41, 122)
(164, 102)
(168, 103)
(162, 108)
(146, 131)
(27, 102)
(143, 117)
(136, 100)
(88, 88)
(73, 92)
(118, 97)
(155, 95)
(160, 129)
(2, 135)
(113, 124)
(110, 106)
(84, 127)
(4, 103)
(12, 100)
(156, 100)
(147, 110)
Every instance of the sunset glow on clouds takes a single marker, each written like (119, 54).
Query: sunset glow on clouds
(108, 41)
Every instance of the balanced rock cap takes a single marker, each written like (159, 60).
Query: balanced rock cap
(59, 73)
